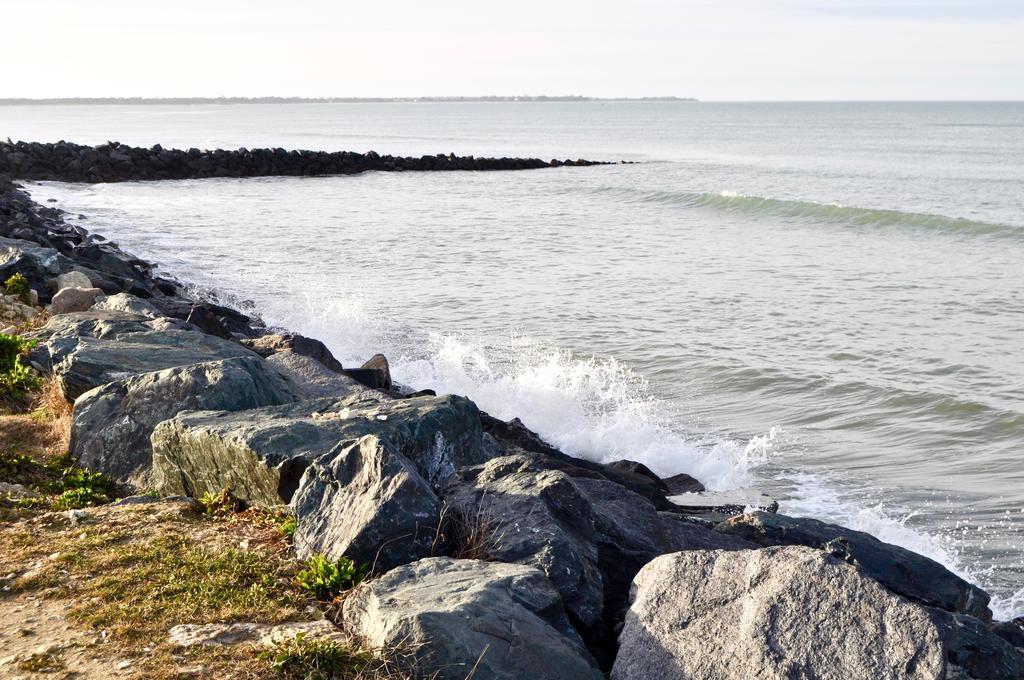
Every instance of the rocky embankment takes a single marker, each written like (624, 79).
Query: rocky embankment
(114, 162)
(492, 553)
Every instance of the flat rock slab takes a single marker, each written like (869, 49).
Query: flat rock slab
(775, 614)
(261, 634)
(260, 455)
(112, 424)
(316, 381)
(467, 618)
(905, 572)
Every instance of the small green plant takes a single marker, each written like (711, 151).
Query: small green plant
(18, 285)
(321, 659)
(327, 579)
(80, 488)
(220, 504)
(16, 377)
(287, 526)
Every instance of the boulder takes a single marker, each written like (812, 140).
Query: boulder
(726, 503)
(539, 518)
(89, 352)
(907, 573)
(275, 343)
(973, 650)
(785, 612)
(112, 424)
(467, 618)
(71, 279)
(260, 455)
(129, 304)
(366, 502)
(1011, 631)
(315, 380)
(682, 483)
(379, 363)
(37, 263)
(74, 300)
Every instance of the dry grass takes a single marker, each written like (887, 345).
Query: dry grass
(43, 433)
(467, 536)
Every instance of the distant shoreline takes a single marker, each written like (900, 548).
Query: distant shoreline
(184, 101)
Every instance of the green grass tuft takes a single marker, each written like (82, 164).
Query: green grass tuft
(326, 579)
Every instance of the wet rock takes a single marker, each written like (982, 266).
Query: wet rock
(539, 518)
(466, 617)
(1011, 631)
(682, 483)
(717, 506)
(368, 503)
(379, 363)
(975, 651)
(112, 424)
(260, 455)
(771, 613)
(276, 343)
(69, 300)
(907, 573)
(260, 634)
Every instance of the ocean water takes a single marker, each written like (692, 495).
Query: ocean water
(824, 301)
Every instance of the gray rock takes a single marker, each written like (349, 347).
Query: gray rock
(260, 455)
(72, 279)
(775, 613)
(683, 533)
(316, 380)
(112, 424)
(379, 363)
(539, 518)
(123, 302)
(37, 263)
(260, 634)
(91, 349)
(368, 503)
(1011, 631)
(269, 345)
(69, 300)
(907, 573)
(463, 618)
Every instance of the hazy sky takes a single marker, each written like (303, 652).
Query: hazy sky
(710, 49)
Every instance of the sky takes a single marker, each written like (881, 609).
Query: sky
(745, 50)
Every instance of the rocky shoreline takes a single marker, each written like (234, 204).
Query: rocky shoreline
(492, 553)
(115, 162)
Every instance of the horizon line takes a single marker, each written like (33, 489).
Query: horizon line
(275, 99)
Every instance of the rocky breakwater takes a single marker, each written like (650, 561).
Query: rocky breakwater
(115, 162)
(492, 554)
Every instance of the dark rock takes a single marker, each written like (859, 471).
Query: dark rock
(268, 345)
(112, 424)
(1011, 631)
(682, 483)
(370, 377)
(467, 618)
(315, 380)
(536, 517)
(975, 649)
(259, 456)
(368, 503)
(902, 571)
(379, 363)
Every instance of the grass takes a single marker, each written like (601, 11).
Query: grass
(17, 378)
(466, 536)
(17, 285)
(303, 658)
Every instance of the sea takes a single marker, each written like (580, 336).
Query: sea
(822, 301)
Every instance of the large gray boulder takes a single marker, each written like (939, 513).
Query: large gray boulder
(539, 518)
(92, 348)
(37, 263)
(112, 424)
(69, 300)
(467, 618)
(775, 613)
(292, 343)
(907, 573)
(366, 502)
(260, 455)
